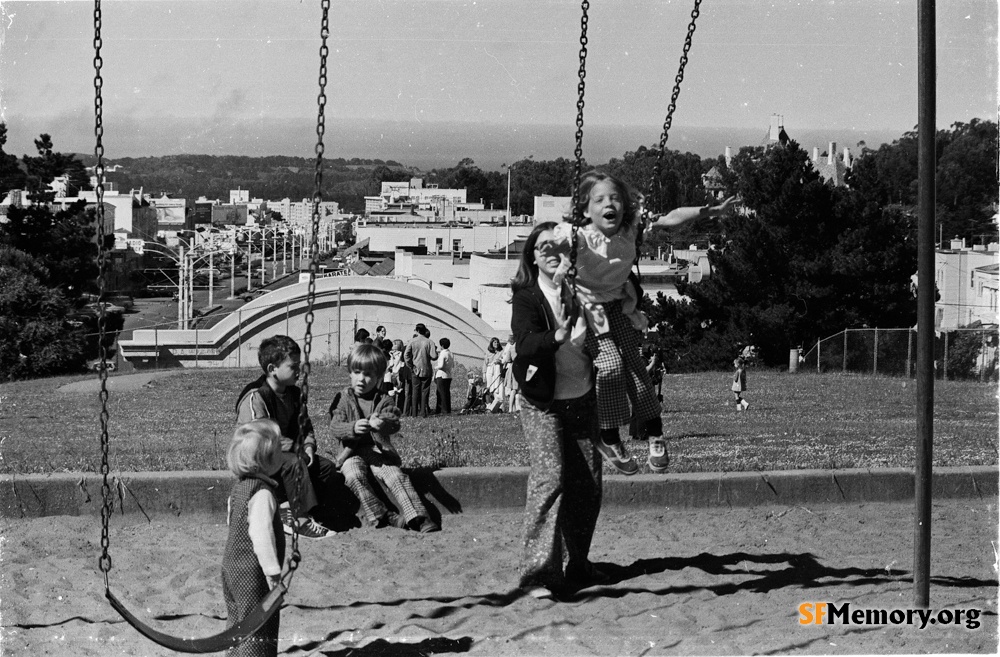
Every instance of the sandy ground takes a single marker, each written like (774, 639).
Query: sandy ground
(715, 582)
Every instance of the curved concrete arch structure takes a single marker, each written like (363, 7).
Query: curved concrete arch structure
(342, 304)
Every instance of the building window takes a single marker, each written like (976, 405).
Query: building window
(438, 244)
(456, 246)
(421, 241)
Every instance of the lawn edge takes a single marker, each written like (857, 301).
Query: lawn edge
(174, 494)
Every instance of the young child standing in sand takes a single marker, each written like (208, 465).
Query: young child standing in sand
(255, 549)
(362, 419)
(740, 383)
(605, 252)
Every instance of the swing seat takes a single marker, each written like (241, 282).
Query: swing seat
(230, 638)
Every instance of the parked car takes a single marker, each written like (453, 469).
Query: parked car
(109, 308)
(94, 365)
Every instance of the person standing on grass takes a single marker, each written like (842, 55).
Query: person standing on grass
(275, 396)
(739, 385)
(560, 425)
(393, 358)
(362, 419)
(510, 383)
(493, 371)
(401, 378)
(255, 549)
(654, 367)
(419, 356)
(443, 366)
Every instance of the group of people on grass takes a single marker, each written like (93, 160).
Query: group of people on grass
(579, 372)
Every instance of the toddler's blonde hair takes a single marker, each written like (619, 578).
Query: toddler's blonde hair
(254, 448)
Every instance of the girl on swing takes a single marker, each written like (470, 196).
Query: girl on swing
(614, 323)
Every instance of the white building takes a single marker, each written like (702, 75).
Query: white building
(300, 213)
(441, 238)
(966, 280)
(985, 284)
(551, 208)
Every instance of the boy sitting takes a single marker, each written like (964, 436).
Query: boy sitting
(362, 419)
(275, 396)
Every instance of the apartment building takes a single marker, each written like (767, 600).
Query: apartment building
(966, 280)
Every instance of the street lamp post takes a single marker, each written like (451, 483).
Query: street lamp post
(263, 279)
(232, 269)
(181, 289)
(506, 247)
(211, 268)
(274, 254)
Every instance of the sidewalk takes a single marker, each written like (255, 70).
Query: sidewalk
(705, 581)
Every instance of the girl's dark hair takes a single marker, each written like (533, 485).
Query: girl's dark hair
(527, 270)
(445, 342)
(490, 347)
(630, 205)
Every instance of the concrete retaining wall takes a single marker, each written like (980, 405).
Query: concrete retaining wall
(156, 494)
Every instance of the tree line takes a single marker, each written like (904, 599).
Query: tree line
(802, 260)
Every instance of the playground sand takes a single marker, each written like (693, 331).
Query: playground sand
(703, 582)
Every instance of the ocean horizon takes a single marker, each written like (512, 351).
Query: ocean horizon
(421, 145)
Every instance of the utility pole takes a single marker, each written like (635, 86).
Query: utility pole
(211, 267)
(181, 287)
(506, 247)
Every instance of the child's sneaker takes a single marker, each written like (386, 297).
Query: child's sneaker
(658, 459)
(616, 454)
(392, 519)
(309, 528)
(744, 404)
(428, 526)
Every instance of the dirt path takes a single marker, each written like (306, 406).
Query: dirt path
(684, 582)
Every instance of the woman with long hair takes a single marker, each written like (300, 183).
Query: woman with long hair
(493, 371)
(559, 419)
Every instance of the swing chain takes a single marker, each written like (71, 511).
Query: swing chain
(654, 181)
(324, 51)
(105, 561)
(668, 121)
(578, 152)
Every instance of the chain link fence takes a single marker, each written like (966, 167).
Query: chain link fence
(966, 353)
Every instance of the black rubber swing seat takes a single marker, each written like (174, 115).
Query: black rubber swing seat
(230, 638)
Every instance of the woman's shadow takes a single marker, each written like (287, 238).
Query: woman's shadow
(801, 570)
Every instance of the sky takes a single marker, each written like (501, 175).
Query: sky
(493, 77)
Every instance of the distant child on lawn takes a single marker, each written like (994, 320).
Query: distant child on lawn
(740, 383)
(275, 396)
(474, 397)
(605, 252)
(362, 419)
(255, 548)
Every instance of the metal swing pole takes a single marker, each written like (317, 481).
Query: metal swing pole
(926, 127)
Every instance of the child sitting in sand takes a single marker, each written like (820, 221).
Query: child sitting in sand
(362, 419)
(255, 548)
